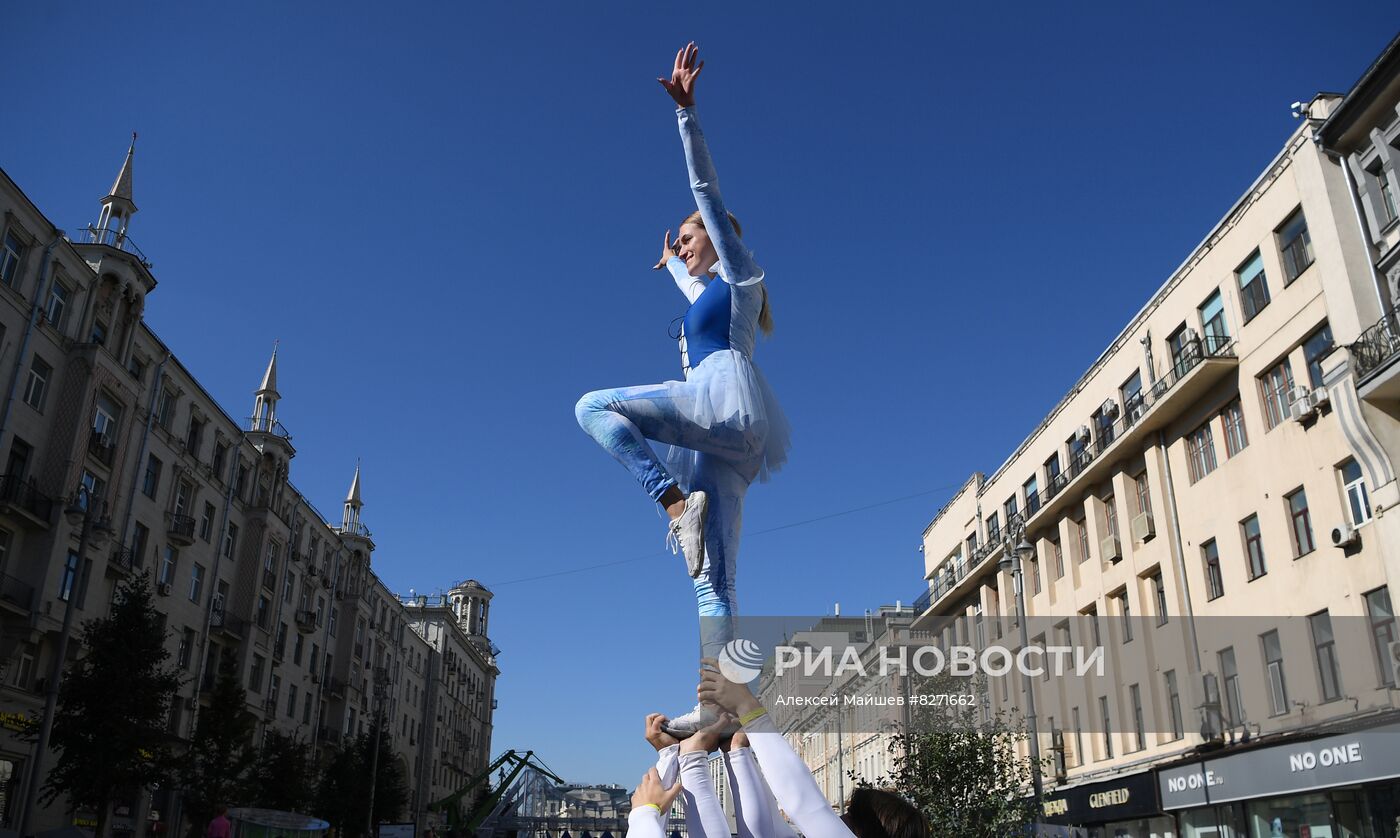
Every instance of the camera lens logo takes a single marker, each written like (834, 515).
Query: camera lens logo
(740, 660)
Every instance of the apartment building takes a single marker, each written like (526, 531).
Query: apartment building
(1209, 505)
(103, 422)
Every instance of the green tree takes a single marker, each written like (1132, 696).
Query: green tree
(216, 769)
(960, 765)
(283, 778)
(342, 796)
(110, 728)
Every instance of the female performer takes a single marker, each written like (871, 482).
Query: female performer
(721, 425)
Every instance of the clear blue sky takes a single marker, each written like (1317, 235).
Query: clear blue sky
(447, 214)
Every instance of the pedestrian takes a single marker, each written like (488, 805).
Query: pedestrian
(219, 826)
(722, 424)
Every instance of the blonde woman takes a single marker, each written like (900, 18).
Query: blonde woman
(721, 426)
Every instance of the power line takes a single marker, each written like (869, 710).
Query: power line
(780, 527)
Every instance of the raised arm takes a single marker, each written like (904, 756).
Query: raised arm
(737, 265)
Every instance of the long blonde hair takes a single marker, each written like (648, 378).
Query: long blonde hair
(765, 314)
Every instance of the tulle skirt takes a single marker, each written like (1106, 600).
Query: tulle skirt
(728, 395)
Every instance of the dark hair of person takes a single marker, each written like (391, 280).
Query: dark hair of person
(879, 813)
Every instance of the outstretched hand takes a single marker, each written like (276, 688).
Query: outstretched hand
(656, 735)
(650, 792)
(714, 688)
(668, 249)
(681, 85)
(706, 739)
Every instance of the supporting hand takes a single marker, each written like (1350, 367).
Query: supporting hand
(656, 735)
(717, 689)
(681, 85)
(706, 739)
(650, 792)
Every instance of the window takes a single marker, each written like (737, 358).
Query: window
(292, 702)
(264, 611)
(1274, 387)
(196, 582)
(1315, 348)
(1382, 620)
(1302, 523)
(1273, 671)
(1107, 727)
(1135, 695)
(1131, 392)
(1010, 508)
(206, 523)
(1354, 486)
(151, 481)
(1200, 453)
(1110, 513)
(1215, 583)
(1325, 653)
(37, 385)
(194, 436)
(57, 304)
(10, 255)
(1214, 329)
(137, 368)
(1102, 420)
(1233, 708)
(220, 451)
(1052, 472)
(289, 586)
(168, 561)
(1296, 246)
(1178, 729)
(1159, 596)
(187, 641)
(335, 618)
(140, 537)
(104, 420)
(69, 578)
(1185, 350)
(1126, 612)
(1032, 492)
(1078, 737)
(165, 408)
(993, 528)
(1232, 420)
(1253, 546)
(96, 488)
(1081, 531)
(297, 646)
(306, 709)
(274, 686)
(1387, 194)
(1057, 558)
(1143, 492)
(230, 540)
(1254, 289)
(99, 333)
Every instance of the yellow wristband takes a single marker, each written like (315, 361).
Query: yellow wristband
(652, 805)
(751, 715)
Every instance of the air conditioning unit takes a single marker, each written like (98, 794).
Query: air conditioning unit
(1392, 654)
(1137, 411)
(1344, 535)
(1111, 550)
(1300, 403)
(1143, 527)
(1320, 397)
(1083, 434)
(163, 589)
(1109, 408)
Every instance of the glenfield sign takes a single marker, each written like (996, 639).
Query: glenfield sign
(1122, 797)
(1355, 757)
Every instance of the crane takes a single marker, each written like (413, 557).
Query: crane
(452, 803)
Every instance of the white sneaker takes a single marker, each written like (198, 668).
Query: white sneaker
(688, 533)
(684, 727)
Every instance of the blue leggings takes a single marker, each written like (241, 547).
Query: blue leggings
(622, 420)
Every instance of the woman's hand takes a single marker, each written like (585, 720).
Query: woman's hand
(714, 688)
(681, 85)
(650, 792)
(668, 249)
(656, 736)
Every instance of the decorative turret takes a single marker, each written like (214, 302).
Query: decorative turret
(265, 398)
(350, 521)
(118, 207)
(471, 603)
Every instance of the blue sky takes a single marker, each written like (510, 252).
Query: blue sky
(447, 214)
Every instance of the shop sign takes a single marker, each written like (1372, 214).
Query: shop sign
(1122, 797)
(1285, 769)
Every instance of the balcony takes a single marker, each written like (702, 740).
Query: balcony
(1377, 352)
(335, 686)
(181, 530)
(306, 620)
(1201, 364)
(356, 529)
(122, 563)
(224, 623)
(263, 425)
(16, 594)
(20, 496)
(102, 448)
(117, 241)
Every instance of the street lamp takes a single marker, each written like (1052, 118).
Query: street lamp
(381, 689)
(85, 513)
(1012, 559)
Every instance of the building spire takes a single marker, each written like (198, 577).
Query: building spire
(118, 206)
(351, 520)
(269, 382)
(265, 398)
(121, 187)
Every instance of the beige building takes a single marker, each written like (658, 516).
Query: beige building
(200, 501)
(1211, 503)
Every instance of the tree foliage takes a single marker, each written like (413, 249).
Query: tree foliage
(283, 778)
(110, 728)
(216, 769)
(960, 766)
(343, 794)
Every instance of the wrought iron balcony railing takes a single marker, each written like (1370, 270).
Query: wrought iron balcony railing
(16, 591)
(261, 424)
(181, 528)
(118, 240)
(1377, 346)
(23, 494)
(101, 447)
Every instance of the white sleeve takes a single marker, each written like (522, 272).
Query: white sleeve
(792, 782)
(691, 286)
(666, 764)
(704, 817)
(645, 822)
(755, 810)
